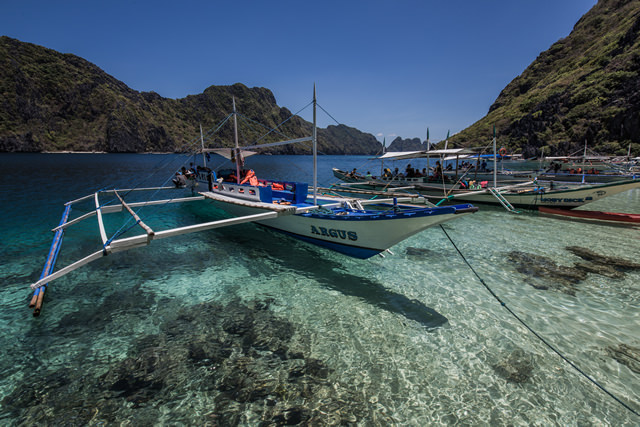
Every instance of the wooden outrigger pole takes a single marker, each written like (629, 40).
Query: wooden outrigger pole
(38, 294)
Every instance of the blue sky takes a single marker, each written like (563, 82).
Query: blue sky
(390, 68)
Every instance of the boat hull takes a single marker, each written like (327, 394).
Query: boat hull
(567, 198)
(358, 236)
(597, 216)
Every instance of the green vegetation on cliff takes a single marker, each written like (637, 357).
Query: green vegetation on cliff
(51, 101)
(586, 87)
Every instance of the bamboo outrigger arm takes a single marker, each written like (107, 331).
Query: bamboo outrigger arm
(118, 208)
(120, 245)
(150, 232)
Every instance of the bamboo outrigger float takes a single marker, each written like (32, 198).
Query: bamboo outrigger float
(359, 228)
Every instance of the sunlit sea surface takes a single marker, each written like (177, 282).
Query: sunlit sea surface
(246, 326)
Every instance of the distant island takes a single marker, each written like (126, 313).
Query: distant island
(584, 88)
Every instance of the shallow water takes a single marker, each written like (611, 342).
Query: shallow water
(243, 325)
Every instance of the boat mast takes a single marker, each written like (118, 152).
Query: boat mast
(237, 149)
(384, 150)
(495, 159)
(428, 159)
(315, 149)
(204, 157)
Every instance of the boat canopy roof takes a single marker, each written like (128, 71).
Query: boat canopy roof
(400, 155)
(603, 158)
(227, 153)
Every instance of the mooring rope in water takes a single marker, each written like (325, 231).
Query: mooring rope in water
(551, 347)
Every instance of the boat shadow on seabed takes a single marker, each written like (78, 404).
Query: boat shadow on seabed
(331, 275)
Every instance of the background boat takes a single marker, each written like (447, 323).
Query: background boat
(520, 193)
(618, 218)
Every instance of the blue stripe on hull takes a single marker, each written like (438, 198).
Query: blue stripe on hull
(352, 251)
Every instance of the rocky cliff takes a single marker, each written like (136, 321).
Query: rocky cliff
(409, 144)
(585, 87)
(50, 101)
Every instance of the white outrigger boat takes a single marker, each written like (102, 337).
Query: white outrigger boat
(511, 190)
(524, 194)
(356, 227)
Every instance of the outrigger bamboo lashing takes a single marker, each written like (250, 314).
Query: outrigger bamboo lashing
(357, 227)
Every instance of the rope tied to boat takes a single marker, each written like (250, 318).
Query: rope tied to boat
(523, 323)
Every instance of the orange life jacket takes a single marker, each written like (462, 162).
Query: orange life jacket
(251, 177)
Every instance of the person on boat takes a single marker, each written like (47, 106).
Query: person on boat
(409, 173)
(353, 173)
(557, 167)
(424, 172)
(179, 180)
(438, 171)
(483, 166)
(250, 177)
(368, 175)
(187, 173)
(396, 173)
(552, 167)
(449, 167)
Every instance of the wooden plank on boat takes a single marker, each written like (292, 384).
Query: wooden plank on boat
(135, 216)
(282, 209)
(366, 192)
(103, 233)
(69, 268)
(216, 224)
(117, 208)
(74, 221)
(127, 190)
(121, 189)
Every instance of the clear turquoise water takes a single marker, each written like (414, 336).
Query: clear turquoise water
(409, 339)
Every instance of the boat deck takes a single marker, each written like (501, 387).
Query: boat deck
(280, 208)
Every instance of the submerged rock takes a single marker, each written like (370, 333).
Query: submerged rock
(601, 269)
(626, 355)
(134, 301)
(617, 263)
(544, 273)
(419, 252)
(241, 355)
(515, 368)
